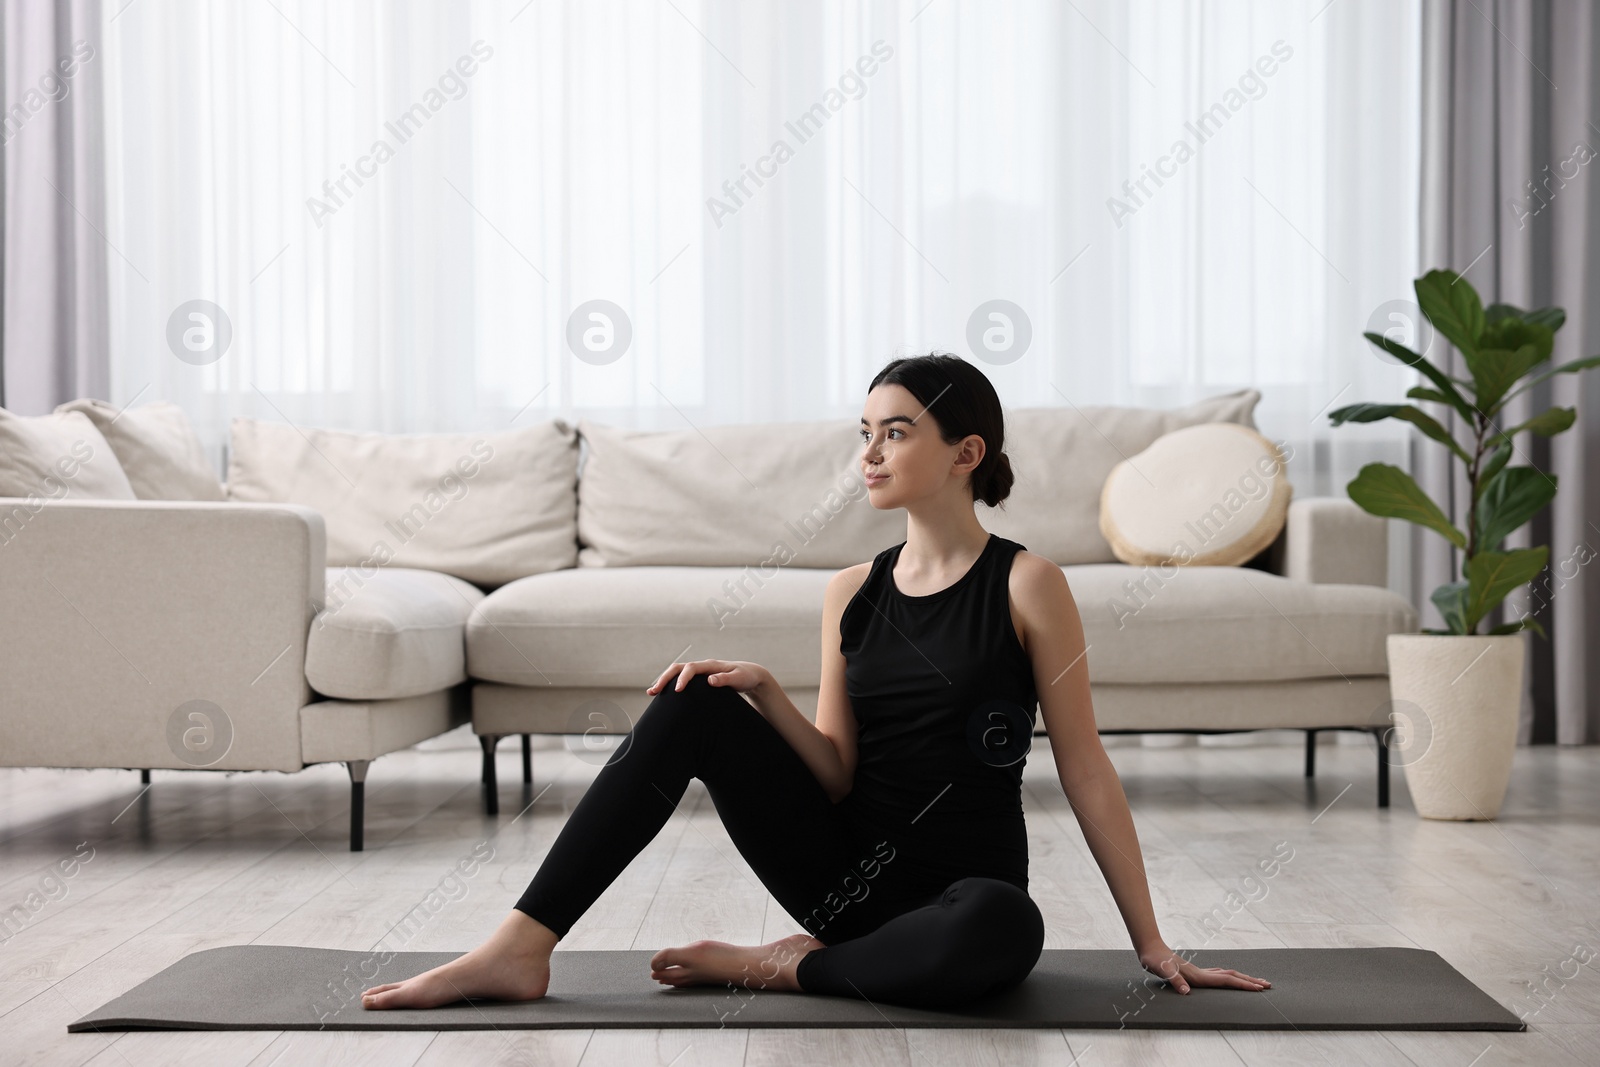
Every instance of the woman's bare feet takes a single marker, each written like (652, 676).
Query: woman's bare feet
(751, 966)
(514, 964)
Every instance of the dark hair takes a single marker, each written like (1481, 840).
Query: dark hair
(962, 401)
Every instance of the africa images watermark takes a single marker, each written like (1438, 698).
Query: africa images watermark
(1250, 890)
(52, 88)
(1556, 576)
(1539, 196)
(346, 988)
(1549, 984)
(850, 487)
(1251, 86)
(854, 888)
(448, 490)
(15, 517)
(1206, 527)
(51, 887)
(852, 85)
(337, 191)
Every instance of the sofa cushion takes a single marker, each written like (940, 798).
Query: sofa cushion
(389, 632)
(1230, 624)
(623, 626)
(157, 447)
(1061, 457)
(778, 494)
(608, 627)
(485, 507)
(1212, 495)
(58, 455)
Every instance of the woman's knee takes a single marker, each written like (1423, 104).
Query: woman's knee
(1002, 921)
(698, 715)
(698, 698)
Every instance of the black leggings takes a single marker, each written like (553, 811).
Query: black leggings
(890, 936)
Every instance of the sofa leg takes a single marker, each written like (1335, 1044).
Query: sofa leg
(491, 787)
(1382, 734)
(527, 759)
(1311, 753)
(144, 776)
(358, 801)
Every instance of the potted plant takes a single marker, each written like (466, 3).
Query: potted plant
(1461, 689)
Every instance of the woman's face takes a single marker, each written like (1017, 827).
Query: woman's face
(903, 457)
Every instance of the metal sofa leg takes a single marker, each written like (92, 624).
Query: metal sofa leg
(358, 801)
(1311, 753)
(1382, 734)
(491, 787)
(527, 759)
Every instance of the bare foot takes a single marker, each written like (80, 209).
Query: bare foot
(513, 964)
(752, 966)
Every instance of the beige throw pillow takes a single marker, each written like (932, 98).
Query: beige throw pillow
(157, 447)
(1211, 495)
(486, 507)
(58, 456)
(1061, 457)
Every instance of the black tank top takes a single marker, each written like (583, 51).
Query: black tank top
(945, 704)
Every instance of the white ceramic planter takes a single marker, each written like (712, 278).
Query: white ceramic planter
(1462, 696)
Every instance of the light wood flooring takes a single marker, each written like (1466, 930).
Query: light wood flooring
(206, 859)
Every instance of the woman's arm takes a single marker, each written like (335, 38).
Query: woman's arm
(814, 746)
(1053, 636)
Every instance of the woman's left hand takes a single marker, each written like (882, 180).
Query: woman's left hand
(1165, 963)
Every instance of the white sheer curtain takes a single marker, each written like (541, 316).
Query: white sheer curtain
(956, 153)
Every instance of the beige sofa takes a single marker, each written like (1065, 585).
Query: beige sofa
(353, 594)
(718, 542)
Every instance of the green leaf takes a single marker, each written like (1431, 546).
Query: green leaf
(1399, 351)
(1362, 413)
(1416, 416)
(1508, 501)
(1491, 575)
(1514, 333)
(1527, 622)
(1565, 368)
(1386, 490)
(1546, 424)
(1452, 305)
(1550, 317)
(1451, 600)
(1422, 392)
(1494, 370)
(1497, 460)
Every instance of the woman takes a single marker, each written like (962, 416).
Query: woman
(892, 829)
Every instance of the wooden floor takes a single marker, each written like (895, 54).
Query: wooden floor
(206, 859)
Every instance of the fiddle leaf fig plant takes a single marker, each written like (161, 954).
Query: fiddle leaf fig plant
(1501, 345)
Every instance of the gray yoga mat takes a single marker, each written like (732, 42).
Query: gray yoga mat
(285, 987)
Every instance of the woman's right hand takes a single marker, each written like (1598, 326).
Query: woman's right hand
(738, 675)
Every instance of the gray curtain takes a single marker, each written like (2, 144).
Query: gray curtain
(55, 255)
(1509, 199)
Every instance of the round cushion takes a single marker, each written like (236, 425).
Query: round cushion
(1209, 495)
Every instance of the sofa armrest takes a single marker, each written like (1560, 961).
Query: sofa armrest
(116, 613)
(1331, 540)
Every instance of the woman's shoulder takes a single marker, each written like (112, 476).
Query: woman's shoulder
(852, 577)
(1029, 570)
(855, 576)
(845, 584)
